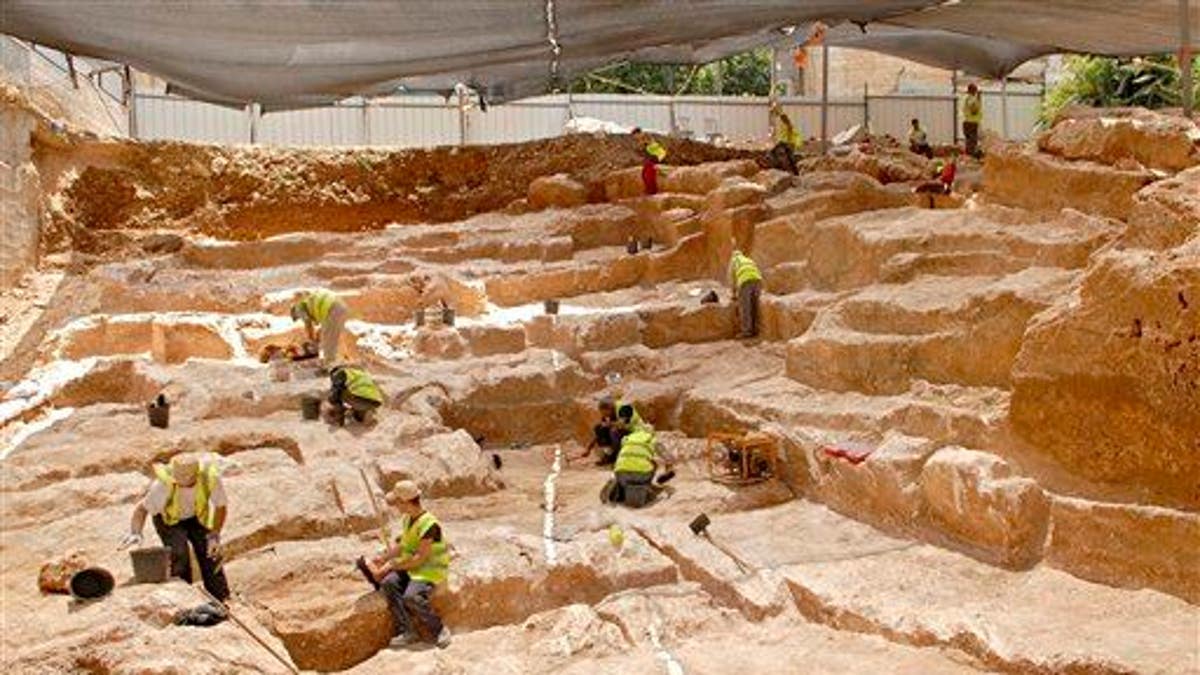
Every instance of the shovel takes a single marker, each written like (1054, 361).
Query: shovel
(699, 527)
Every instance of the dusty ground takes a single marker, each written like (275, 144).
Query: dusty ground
(1021, 372)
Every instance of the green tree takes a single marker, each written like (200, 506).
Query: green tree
(1098, 81)
(746, 74)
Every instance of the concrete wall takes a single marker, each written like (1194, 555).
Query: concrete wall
(19, 190)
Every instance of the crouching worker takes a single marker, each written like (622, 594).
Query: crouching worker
(747, 288)
(616, 420)
(414, 563)
(188, 505)
(633, 473)
(324, 316)
(352, 389)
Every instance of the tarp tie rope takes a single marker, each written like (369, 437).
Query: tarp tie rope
(552, 38)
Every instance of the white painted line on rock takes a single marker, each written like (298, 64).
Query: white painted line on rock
(672, 664)
(550, 490)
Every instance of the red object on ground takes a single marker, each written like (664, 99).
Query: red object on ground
(855, 453)
(650, 176)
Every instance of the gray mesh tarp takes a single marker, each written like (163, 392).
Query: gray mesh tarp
(984, 57)
(306, 52)
(309, 51)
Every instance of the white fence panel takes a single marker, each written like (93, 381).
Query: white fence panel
(171, 118)
(806, 115)
(652, 113)
(413, 123)
(333, 125)
(737, 119)
(517, 122)
(894, 114)
(1023, 109)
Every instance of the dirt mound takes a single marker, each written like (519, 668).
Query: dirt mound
(246, 193)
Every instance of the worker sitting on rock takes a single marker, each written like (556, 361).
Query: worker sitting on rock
(747, 285)
(414, 563)
(352, 389)
(918, 141)
(944, 173)
(788, 143)
(187, 501)
(324, 315)
(633, 472)
(616, 420)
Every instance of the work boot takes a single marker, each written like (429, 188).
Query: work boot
(443, 638)
(403, 640)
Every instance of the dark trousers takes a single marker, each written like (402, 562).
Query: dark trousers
(783, 157)
(177, 537)
(748, 294)
(359, 406)
(406, 598)
(971, 137)
(625, 479)
(608, 440)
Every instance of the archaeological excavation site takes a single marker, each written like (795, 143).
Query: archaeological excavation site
(522, 408)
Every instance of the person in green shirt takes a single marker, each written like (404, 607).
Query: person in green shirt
(972, 112)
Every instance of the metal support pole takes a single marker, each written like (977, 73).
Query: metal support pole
(866, 107)
(824, 97)
(954, 106)
(130, 97)
(71, 71)
(1185, 56)
(462, 115)
(1004, 107)
(366, 121)
(255, 112)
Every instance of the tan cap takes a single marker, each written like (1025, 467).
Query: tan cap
(404, 491)
(184, 467)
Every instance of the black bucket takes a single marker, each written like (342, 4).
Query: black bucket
(160, 414)
(419, 318)
(448, 316)
(151, 565)
(310, 407)
(632, 246)
(91, 583)
(551, 306)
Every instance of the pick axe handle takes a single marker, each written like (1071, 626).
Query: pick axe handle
(233, 617)
(371, 494)
(742, 564)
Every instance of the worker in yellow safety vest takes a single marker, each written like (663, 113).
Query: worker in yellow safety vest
(633, 472)
(972, 113)
(188, 504)
(413, 563)
(617, 418)
(324, 316)
(747, 287)
(788, 134)
(353, 389)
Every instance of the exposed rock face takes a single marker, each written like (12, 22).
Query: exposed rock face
(1153, 140)
(882, 165)
(1166, 214)
(1041, 182)
(559, 190)
(1159, 547)
(975, 499)
(1106, 380)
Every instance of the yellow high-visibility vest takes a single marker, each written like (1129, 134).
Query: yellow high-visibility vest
(637, 453)
(359, 383)
(318, 305)
(206, 482)
(436, 567)
(743, 270)
(973, 108)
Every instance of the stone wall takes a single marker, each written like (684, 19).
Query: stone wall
(18, 177)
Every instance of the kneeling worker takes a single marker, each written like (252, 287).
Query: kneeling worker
(354, 390)
(747, 285)
(187, 501)
(324, 315)
(616, 420)
(635, 467)
(414, 563)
